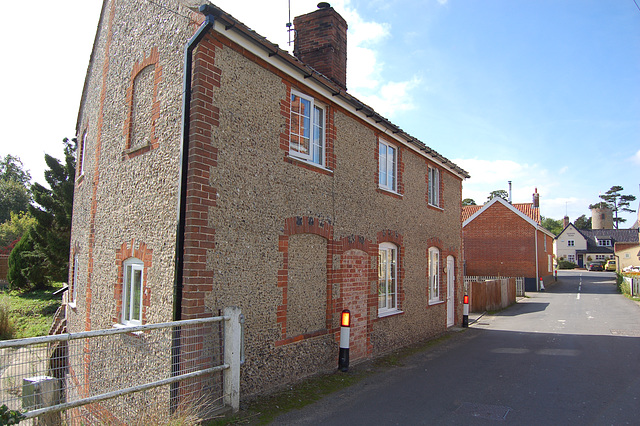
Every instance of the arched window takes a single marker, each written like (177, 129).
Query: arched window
(434, 275)
(132, 291)
(387, 278)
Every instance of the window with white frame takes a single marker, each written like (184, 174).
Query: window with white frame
(434, 186)
(388, 160)
(544, 238)
(132, 292)
(604, 243)
(600, 257)
(73, 294)
(434, 275)
(571, 258)
(307, 129)
(387, 278)
(571, 243)
(549, 263)
(81, 155)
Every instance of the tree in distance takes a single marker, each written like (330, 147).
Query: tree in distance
(616, 202)
(498, 193)
(14, 189)
(42, 255)
(552, 225)
(468, 202)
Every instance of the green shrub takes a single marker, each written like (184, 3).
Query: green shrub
(6, 325)
(9, 417)
(623, 286)
(565, 264)
(26, 268)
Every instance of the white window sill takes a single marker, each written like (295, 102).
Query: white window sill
(137, 333)
(390, 312)
(72, 305)
(310, 163)
(436, 207)
(390, 191)
(436, 302)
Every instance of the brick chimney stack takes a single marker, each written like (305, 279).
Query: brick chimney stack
(321, 42)
(565, 222)
(536, 199)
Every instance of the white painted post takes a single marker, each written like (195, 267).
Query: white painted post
(232, 348)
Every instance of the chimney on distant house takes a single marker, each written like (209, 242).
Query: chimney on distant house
(321, 42)
(509, 192)
(536, 199)
(565, 222)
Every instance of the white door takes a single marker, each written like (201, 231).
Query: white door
(451, 285)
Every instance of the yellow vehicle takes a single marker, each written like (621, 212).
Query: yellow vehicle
(610, 265)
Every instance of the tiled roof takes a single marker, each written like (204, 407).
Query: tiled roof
(468, 211)
(615, 235)
(526, 208)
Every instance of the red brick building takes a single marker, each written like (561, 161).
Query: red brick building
(504, 239)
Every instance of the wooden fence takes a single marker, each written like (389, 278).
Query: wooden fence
(491, 295)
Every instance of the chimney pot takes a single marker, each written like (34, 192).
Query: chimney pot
(323, 5)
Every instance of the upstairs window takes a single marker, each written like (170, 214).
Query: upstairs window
(387, 278)
(132, 292)
(83, 143)
(388, 161)
(307, 129)
(434, 186)
(571, 243)
(604, 243)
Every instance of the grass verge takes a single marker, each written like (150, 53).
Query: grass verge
(31, 314)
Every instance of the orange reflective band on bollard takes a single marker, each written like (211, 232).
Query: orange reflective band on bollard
(466, 299)
(346, 319)
(465, 311)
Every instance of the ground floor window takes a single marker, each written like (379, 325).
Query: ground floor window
(571, 258)
(132, 292)
(434, 275)
(387, 278)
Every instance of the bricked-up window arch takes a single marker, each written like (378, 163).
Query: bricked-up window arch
(434, 275)
(301, 233)
(143, 107)
(132, 294)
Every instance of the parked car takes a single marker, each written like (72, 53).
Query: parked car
(610, 265)
(595, 266)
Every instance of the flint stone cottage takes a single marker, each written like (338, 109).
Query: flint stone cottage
(267, 187)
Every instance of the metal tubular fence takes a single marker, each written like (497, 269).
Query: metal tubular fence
(147, 374)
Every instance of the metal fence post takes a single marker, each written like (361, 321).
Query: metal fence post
(232, 348)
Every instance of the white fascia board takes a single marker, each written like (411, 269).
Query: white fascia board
(282, 65)
(504, 203)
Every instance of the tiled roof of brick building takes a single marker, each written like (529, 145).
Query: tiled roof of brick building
(526, 208)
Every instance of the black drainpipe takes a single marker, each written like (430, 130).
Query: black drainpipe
(182, 202)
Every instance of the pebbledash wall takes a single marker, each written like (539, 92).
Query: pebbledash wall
(290, 242)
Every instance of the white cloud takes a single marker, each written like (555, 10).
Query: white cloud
(636, 158)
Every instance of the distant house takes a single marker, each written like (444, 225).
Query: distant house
(628, 254)
(582, 246)
(504, 239)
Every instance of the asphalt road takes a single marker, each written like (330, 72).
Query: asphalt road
(568, 356)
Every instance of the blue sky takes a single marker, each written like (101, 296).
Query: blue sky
(544, 93)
